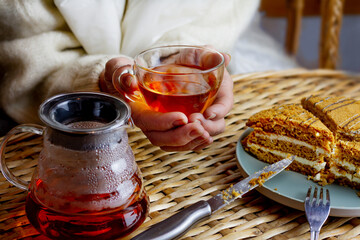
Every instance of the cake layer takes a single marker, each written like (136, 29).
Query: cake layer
(288, 144)
(343, 177)
(295, 122)
(270, 155)
(348, 154)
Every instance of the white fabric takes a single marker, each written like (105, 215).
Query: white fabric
(95, 23)
(161, 22)
(257, 51)
(157, 22)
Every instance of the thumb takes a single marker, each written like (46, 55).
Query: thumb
(227, 58)
(124, 81)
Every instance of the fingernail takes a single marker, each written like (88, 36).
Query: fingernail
(179, 122)
(212, 116)
(128, 81)
(199, 141)
(228, 55)
(202, 140)
(194, 133)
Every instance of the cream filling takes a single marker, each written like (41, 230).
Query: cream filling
(316, 165)
(337, 173)
(317, 177)
(346, 165)
(356, 179)
(272, 137)
(351, 167)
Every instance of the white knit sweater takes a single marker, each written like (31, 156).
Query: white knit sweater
(48, 48)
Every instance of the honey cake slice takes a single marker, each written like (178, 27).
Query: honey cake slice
(341, 115)
(290, 129)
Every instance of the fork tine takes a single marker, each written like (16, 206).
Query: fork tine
(321, 194)
(321, 199)
(308, 193)
(327, 198)
(327, 195)
(314, 200)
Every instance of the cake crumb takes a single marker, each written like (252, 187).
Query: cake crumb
(235, 193)
(230, 193)
(261, 179)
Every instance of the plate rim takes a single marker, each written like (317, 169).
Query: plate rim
(292, 202)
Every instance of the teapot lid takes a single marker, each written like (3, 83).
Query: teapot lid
(60, 111)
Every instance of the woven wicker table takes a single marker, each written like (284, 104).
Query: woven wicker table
(176, 180)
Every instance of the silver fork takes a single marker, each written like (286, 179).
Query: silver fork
(317, 211)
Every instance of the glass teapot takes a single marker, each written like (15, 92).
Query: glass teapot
(87, 184)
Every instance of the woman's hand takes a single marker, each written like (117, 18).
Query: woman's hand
(213, 119)
(172, 131)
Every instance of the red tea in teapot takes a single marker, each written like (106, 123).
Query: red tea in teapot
(103, 224)
(87, 184)
(94, 192)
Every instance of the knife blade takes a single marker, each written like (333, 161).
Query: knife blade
(179, 223)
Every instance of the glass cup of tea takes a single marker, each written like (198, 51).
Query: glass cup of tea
(87, 184)
(177, 78)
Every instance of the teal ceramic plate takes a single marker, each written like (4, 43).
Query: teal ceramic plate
(290, 188)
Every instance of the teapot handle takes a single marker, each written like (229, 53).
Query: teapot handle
(31, 128)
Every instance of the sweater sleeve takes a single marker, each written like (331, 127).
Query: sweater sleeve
(40, 57)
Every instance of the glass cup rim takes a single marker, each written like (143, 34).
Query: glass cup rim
(180, 46)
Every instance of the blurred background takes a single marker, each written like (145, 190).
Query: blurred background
(275, 14)
(296, 27)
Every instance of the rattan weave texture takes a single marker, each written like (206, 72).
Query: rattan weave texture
(175, 180)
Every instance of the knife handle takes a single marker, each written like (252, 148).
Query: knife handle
(178, 224)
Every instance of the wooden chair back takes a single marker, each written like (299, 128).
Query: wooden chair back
(331, 12)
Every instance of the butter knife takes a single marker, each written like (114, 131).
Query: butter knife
(178, 224)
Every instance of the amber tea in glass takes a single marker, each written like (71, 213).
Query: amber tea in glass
(176, 78)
